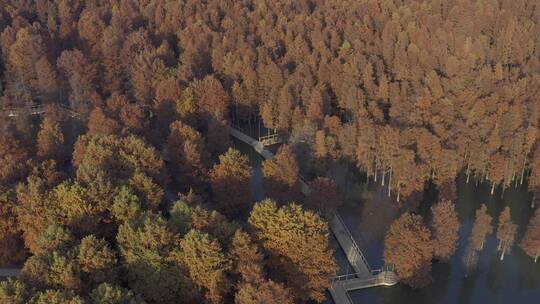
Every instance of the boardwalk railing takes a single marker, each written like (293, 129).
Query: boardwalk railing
(35, 109)
(364, 277)
(270, 140)
(353, 242)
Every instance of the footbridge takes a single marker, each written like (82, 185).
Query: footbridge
(364, 276)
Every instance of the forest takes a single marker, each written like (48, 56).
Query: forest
(119, 182)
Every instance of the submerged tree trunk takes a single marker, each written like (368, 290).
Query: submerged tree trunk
(390, 182)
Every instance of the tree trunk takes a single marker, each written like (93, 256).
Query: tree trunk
(536, 256)
(383, 176)
(499, 247)
(492, 188)
(482, 245)
(502, 254)
(390, 182)
(468, 172)
(375, 179)
(522, 174)
(398, 193)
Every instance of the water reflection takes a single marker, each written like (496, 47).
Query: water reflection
(516, 279)
(369, 213)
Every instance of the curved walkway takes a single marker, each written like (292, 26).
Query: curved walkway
(341, 285)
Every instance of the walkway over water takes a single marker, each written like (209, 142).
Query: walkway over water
(9, 272)
(364, 276)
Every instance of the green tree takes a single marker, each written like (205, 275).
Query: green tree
(97, 261)
(56, 297)
(146, 251)
(297, 242)
(206, 263)
(180, 217)
(14, 292)
(111, 294)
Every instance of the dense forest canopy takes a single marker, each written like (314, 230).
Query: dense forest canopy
(138, 97)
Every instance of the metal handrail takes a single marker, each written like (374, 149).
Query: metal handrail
(268, 136)
(355, 246)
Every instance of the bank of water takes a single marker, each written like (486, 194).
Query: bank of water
(370, 211)
(516, 279)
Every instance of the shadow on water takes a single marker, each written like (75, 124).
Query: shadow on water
(516, 279)
(369, 211)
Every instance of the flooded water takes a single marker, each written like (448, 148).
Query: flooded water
(515, 279)
(369, 212)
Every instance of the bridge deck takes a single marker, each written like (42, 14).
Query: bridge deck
(339, 293)
(352, 252)
(9, 272)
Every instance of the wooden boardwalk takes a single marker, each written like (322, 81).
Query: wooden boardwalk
(364, 276)
(352, 251)
(9, 272)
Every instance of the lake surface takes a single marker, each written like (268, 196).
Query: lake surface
(369, 212)
(515, 279)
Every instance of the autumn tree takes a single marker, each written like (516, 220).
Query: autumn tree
(14, 292)
(409, 247)
(248, 260)
(445, 225)
(268, 292)
(323, 196)
(100, 124)
(146, 252)
(531, 240)
(481, 229)
(213, 99)
(206, 263)
(230, 182)
(11, 241)
(50, 140)
(12, 159)
(185, 151)
(297, 243)
(282, 176)
(82, 77)
(56, 296)
(506, 232)
(107, 293)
